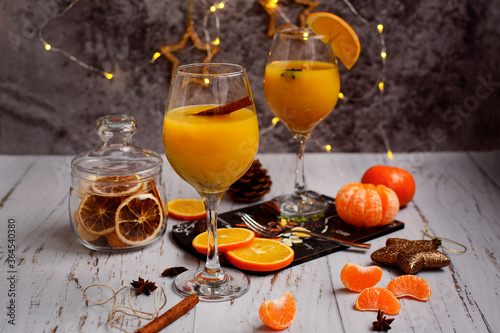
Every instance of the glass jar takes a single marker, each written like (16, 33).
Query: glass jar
(117, 197)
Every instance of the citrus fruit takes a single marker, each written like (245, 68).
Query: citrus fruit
(186, 209)
(342, 38)
(357, 278)
(96, 214)
(114, 241)
(117, 185)
(410, 286)
(376, 298)
(227, 239)
(139, 218)
(84, 234)
(262, 255)
(397, 179)
(280, 313)
(366, 205)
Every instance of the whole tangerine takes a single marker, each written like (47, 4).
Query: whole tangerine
(397, 179)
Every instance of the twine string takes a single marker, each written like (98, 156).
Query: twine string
(426, 234)
(129, 310)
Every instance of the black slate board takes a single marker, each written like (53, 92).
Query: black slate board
(312, 248)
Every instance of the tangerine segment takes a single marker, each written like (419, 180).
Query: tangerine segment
(410, 286)
(117, 185)
(357, 278)
(186, 209)
(139, 218)
(263, 255)
(280, 313)
(97, 214)
(227, 239)
(376, 298)
(343, 40)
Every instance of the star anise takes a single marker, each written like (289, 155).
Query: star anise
(382, 323)
(143, 287)
(174, 271)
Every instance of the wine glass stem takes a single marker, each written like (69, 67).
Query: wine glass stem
(300, 179)
(212, 270)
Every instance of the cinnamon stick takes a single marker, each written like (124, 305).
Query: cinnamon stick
(171, 315)
(226, 108)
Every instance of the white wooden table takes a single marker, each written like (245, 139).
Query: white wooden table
(458, 195)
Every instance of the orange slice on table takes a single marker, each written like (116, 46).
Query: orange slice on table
(227, 239)
(263, 255)
(139, 218)
(117, 185)
(376, 298)
(96, 214)
(410, 286)
(342, 38)
(280, 313)
(186, 209)
(357, 278)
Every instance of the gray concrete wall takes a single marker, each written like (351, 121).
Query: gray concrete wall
(441, 91)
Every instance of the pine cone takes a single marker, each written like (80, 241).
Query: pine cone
(252, 186)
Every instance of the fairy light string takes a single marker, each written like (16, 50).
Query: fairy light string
(213, 39)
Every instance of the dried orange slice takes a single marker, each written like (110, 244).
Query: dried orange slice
(280, 313)
(117, 185)
(139, 218)
(114, 241)
(410, 286)
(186, 209)
(357, 278)
(262, 255)
(342, 38)
(376, 298)
(96, 214)
(227, 239)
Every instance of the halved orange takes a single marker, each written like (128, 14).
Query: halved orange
(97, 214)
(410, 286)
(139, 218)
(227, 239)
(263, 255)
(280, 313)
(186, 209)
(342, 38)
(357, 278)
(117, 185)
(376, 298)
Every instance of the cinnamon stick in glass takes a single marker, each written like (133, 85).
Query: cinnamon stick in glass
(226, 108)
(171, 315)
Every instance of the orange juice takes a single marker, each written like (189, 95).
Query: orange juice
(300, 92)
(210, 152)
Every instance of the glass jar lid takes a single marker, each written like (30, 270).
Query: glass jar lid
(116, 156)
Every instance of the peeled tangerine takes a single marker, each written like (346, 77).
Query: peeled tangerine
(366, 205)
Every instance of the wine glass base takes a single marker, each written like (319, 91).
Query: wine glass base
(309, 203)
(234, 285)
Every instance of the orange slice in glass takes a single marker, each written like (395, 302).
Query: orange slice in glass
(357, 278)
(262, 255)
(139, 218)
(410, 286)
(280, 313)
(96, 214)
(376, 298)
(186, 209)
(117, 185)
(227, 239)
(342, 38)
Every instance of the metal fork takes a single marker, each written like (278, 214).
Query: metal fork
(270, 233)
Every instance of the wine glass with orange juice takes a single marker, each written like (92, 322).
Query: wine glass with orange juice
(211, 136)
(301, 86)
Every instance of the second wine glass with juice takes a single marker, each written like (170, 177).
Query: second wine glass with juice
(211, 136)
(301, 86)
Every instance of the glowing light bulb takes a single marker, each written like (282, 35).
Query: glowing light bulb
(275, 121)
(216, 41)
(341, 95)
(272, 4)
(108, 76)
(381, 86)
(156, 56)
(389, 154)
(207, 81)
(47, 47)
(380, 28)
(383, 54)
(305, 35)
(220, 5)
(213, 9)
(328, 148)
